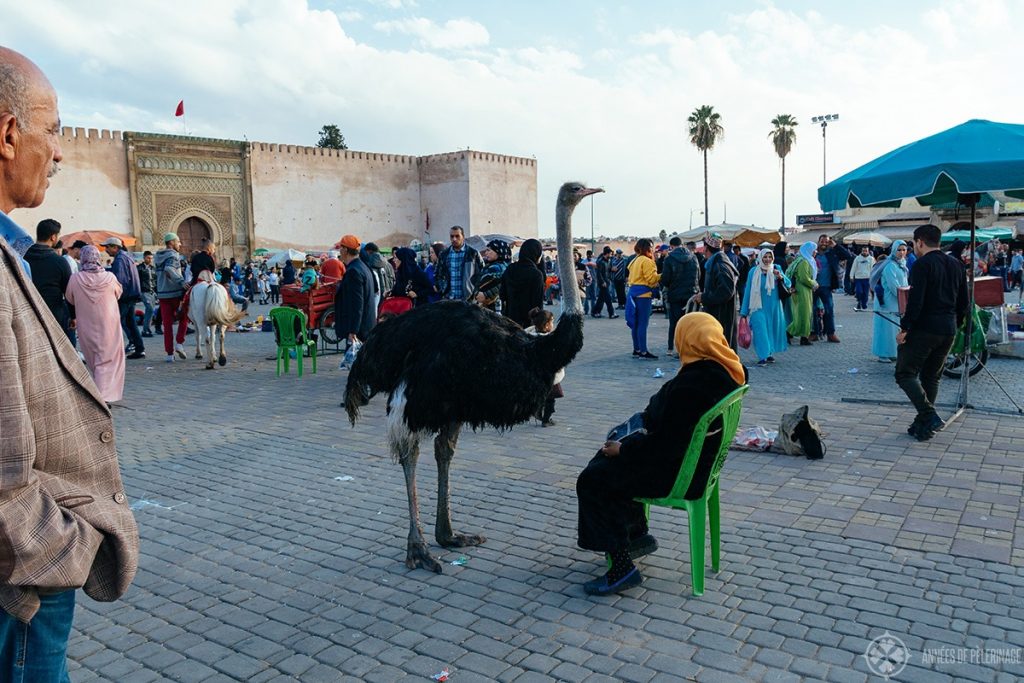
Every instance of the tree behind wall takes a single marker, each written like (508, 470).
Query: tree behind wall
(331, 138)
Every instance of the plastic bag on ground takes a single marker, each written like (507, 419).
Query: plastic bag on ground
(754, 439)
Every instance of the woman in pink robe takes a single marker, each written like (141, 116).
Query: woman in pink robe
(94, 293)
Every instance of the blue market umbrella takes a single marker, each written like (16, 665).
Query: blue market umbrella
(975, 157)
(970, 164)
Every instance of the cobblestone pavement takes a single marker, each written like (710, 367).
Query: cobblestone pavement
(259, 564)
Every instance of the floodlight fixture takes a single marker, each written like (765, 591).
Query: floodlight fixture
(824, 120)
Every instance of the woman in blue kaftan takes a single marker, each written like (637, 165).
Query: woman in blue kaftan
(763, 307)
(886, 279)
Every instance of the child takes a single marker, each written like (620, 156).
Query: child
(309, 280)
(263, 284)
(543, 323)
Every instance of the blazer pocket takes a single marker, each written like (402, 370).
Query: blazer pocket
(73, 500)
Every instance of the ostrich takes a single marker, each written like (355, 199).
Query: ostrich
(453, 363)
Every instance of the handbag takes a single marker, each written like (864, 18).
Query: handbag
(744, 335)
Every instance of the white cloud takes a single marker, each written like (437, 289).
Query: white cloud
(453, 34)
(395, 4)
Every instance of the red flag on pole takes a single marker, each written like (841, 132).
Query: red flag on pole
(180, 111)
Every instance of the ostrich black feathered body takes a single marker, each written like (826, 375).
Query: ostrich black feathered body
(457, 363)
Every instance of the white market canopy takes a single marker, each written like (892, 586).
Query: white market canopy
(743, 235)
(285, 255)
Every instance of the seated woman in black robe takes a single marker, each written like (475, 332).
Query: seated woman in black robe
(410, 280)
(645, 464)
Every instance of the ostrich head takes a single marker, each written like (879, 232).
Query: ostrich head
(570, 194)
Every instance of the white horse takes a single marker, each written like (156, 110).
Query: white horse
(210, 307)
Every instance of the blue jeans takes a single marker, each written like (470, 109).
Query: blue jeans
(828, 323)
(131, 330)
(37, 652)
(639, 329)
(861, 287)
(149, 301)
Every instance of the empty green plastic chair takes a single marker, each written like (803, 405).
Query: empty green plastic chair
(725, 416)
(291, 336)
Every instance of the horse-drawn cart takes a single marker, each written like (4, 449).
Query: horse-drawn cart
(317, 304)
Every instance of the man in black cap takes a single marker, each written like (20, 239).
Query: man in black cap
(719, 295)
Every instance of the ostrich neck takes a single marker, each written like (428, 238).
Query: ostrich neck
(571, 304)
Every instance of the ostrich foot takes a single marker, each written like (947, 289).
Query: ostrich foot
(199, 356)
(417, 555)
(460, 540)
(223, 360)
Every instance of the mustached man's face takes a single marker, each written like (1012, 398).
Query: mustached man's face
(36, 148)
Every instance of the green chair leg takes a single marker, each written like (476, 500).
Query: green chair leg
(298, 357)
(714, 522)
(278, 361)
(312, 353)
(698, 524)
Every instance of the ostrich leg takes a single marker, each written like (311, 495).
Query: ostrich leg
(417, 554)
(444, 449)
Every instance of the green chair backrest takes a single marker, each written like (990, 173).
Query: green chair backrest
(289, 326)
(725, 416)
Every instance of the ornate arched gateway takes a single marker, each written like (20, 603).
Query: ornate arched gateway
(196, 187)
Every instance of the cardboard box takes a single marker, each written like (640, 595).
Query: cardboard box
(988, 291)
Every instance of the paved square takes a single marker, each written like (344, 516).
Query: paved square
(260, 564)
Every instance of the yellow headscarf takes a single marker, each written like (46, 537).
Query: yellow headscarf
(699, 337)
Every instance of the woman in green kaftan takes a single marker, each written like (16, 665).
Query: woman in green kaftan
(803, 272)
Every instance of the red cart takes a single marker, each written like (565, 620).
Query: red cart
(317, 304)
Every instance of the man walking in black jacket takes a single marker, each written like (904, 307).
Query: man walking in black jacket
(679, 281)
(604, 285)
(936, 307)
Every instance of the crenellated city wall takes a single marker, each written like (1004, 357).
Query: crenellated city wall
(302, 197)
(91, 190)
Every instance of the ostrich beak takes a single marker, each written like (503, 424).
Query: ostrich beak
(589, 191)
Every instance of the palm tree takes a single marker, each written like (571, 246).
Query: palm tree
(705, 130)
(783, 136)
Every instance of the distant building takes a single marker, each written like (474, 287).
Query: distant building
(247, 195)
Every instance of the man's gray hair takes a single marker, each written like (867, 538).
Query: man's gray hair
(14, 88)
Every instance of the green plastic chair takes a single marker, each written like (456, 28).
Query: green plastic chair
(291, 335)
(726, 413)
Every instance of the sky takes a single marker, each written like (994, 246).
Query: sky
(595, 91)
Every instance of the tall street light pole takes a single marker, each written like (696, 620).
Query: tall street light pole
(593, 247)
(824, 121)
(699, 213)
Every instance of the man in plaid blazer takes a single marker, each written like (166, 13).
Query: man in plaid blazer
(64, 517)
